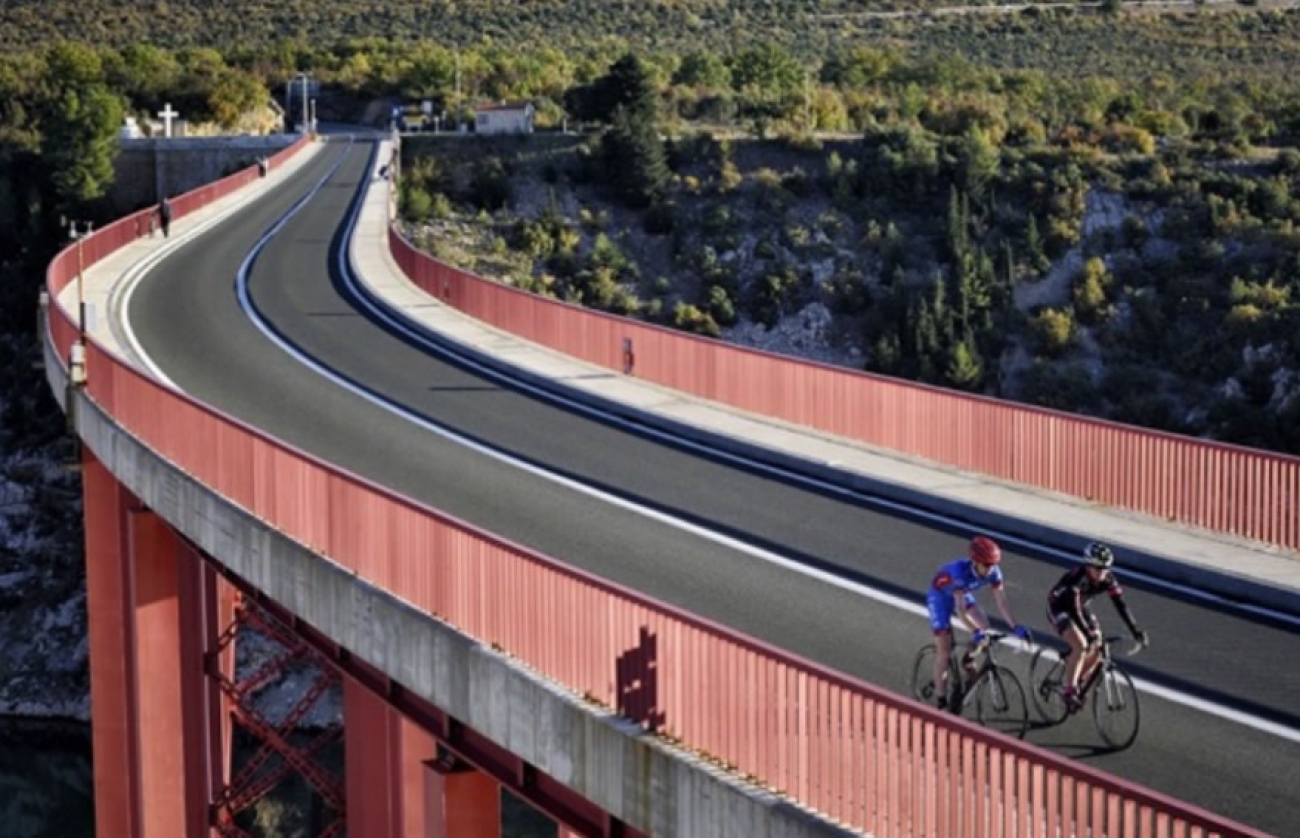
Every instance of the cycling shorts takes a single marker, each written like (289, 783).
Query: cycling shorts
(1064, 615)
(941, 605)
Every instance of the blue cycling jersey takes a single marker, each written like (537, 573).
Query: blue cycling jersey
(959, 576)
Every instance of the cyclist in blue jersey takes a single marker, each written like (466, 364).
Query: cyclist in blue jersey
(953, 590)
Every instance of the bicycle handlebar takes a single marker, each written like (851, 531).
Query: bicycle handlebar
(992, 636)
(1133, 650)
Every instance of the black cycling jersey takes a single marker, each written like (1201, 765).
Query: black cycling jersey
(1072, 593)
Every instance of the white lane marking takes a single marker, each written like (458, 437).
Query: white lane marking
(420, 335)
(124, 289)
(826, 577)
(119, 298)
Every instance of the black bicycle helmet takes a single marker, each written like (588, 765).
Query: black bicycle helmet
(1099, 555)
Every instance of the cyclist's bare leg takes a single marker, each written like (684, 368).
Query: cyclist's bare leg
(1090, 662)
(942, 653)
(976, 620)
(1074, 660)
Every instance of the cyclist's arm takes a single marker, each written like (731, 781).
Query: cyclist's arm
(1125, 613)
(1004, 605)
(971, 612)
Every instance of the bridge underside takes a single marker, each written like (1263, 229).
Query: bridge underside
(165, 699)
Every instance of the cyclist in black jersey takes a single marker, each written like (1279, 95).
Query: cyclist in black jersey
(1069, 614)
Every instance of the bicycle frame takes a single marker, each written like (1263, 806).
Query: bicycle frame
(1105, 661)
(1115, 700)
(977, 682)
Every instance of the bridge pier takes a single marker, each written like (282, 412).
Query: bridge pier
(161, 739)
(426, 797)
(464, 803)
(159, 612)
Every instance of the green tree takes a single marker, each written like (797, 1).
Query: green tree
(771, 84)
(1035, 249)
(627, 86)
(79, 142)
(636, 166)
(965, 367)
(235, 94)
(72, 65)
(630, 86)
(858, 67)
(978, 162)
(144, 74)
(886, 354)
(1053, 331)
(1090, 288)
(768, 71)
(703, 69)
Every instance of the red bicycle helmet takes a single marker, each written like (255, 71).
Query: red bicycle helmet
(985, 551)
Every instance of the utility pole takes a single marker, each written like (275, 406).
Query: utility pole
(457, 90)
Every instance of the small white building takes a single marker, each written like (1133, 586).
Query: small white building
(504, 118)
(130, 129)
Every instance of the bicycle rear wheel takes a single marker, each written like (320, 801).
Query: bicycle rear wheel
(1046, 678)
(1115, 710)
(921, 684)
(999, 701)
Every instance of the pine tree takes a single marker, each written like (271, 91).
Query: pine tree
(1034, 245)
(958, 232)
(965, 367)
(636, 165)
(628, 86)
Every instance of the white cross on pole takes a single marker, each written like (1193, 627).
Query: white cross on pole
(167, 115)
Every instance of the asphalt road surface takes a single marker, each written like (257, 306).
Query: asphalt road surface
(188, 319)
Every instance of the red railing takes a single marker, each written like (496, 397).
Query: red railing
(852, 751)
(1224, 488)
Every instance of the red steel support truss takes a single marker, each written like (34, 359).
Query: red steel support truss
(258, 777)
(457, 743)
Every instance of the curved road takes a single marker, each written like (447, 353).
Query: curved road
(188, 319)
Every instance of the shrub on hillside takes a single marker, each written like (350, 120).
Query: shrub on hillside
(688, 318)
(1053, 331)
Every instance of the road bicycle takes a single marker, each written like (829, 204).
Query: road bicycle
(1115, 711)
(992, 693)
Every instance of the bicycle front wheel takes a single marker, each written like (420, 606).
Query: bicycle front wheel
(999, 701)
(1115, 710)
(921, 684)
(1046, 678)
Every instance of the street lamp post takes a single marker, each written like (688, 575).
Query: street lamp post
(78, 230)
(304, 77)
(288, 100)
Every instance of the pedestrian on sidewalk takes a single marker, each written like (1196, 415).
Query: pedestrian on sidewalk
(165, 216)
